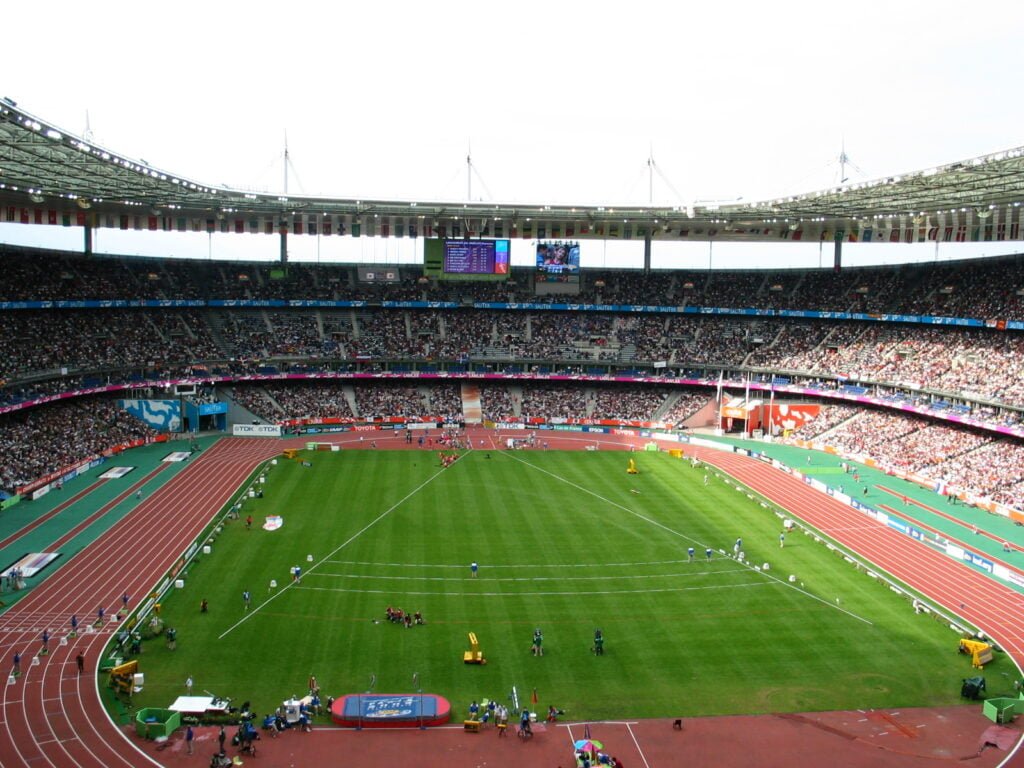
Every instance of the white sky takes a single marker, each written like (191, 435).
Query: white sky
(561, 101)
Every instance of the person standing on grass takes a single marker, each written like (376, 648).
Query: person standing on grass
(248, 522)
(782, 540)
(538, 642)
(473, 568)
(689, 553)
(246, 599)
(707, 553)
(188, 685)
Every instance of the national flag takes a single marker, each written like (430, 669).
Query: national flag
(297, 226)
(933, 233)
(798, 235)
(947, 234)
(239, 226)
(311, 226)
(385, 228)
(1000, 231)
(865, 236)
(80, 218)
(894, 236)
(152, 224)
(328, 226)
(38, 215)
(542, 231)
(254, 226)
(123, 223)
(51, 217)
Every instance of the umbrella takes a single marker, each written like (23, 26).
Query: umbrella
(588, 745)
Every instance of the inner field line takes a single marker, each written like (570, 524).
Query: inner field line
(665, 528)
(335, 551)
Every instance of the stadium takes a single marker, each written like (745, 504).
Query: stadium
(332, 440)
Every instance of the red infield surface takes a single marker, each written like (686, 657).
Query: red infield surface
(53, 717)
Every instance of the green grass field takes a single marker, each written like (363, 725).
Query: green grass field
(564, 544)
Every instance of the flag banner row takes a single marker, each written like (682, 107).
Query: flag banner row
(970, 225)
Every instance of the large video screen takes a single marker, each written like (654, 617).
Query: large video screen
(476, 257)
(558, 258)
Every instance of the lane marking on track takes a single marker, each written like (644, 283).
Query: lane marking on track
(633, 736)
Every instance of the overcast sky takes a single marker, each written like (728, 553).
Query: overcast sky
(559, 101)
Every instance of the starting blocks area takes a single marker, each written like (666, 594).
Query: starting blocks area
(390, 710)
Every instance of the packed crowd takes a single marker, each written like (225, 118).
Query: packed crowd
(686, 404)
(100, 344)
(40, 441)
(627, 402)
(983, 464)
(963, 289)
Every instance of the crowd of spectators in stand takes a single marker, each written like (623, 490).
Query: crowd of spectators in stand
(982, 463)
(628, 402)
(497, 402)
(40, 441)
(98, 346)
(828, 418)
(553, 401)
(685, 405)
(952, 288)
(973, 363)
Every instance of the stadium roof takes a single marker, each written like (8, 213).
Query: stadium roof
(43, 166)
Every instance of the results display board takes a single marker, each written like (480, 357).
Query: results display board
(488, 260)
(476, 257)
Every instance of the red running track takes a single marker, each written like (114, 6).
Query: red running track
(53, 717)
